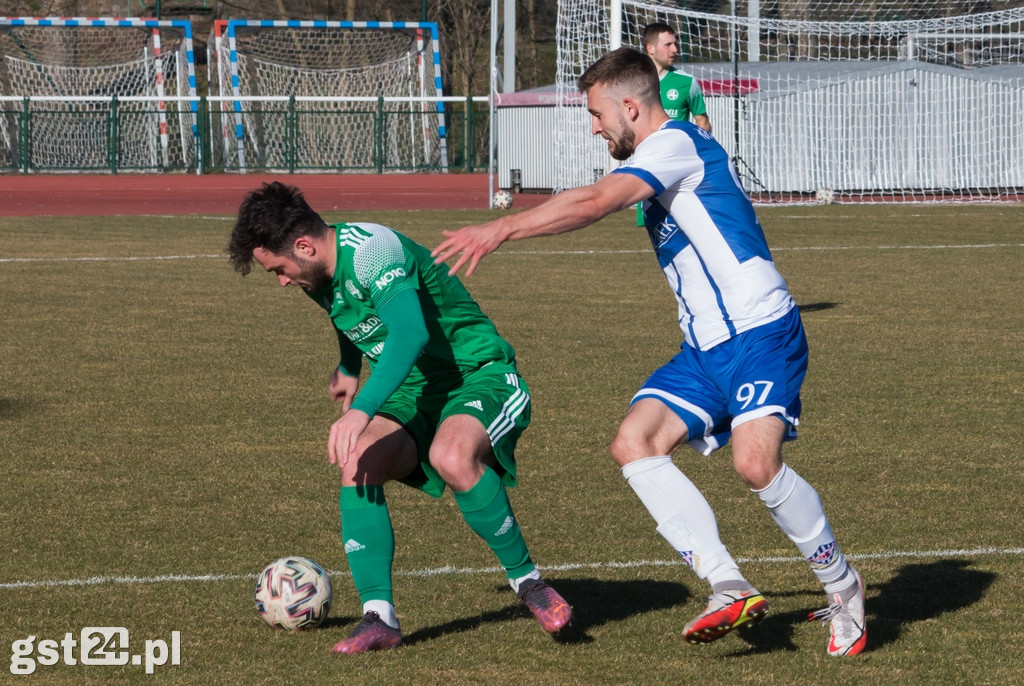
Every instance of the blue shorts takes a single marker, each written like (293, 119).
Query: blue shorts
(756, 374)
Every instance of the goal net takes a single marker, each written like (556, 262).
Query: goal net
(345, 96)
(822, 100)
(100, 94)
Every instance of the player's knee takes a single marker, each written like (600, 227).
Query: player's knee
(757, 469)
(628, 447)
(757, 451)
(453, 466)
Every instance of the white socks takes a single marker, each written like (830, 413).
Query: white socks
(383, 608)
(797, 509)
(514, 583)
(684, 518)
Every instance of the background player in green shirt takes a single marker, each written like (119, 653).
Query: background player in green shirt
(681, 96)
(443, 403)
(680, 93)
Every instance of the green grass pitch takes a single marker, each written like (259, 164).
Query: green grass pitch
(163, 425)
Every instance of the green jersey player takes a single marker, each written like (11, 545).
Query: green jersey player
(442, 405)
(681, 95)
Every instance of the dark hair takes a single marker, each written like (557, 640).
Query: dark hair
(628, 69)
(271, 217)
(653, 30)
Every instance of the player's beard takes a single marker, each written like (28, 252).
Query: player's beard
(625, 145)
(314, 274)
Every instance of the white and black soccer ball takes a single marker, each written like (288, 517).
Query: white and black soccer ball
(502, 200)
(825, 196)
(293, 593)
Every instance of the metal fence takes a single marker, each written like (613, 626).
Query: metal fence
(205, 134)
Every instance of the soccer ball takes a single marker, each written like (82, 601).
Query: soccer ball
(502, 200)
(293, 593)
(825, 196)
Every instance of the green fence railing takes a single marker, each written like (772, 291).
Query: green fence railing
(284, 135)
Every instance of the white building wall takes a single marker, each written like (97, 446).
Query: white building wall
(895, 126)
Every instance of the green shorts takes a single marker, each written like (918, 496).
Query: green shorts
(495, 394)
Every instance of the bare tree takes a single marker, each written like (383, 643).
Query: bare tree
(465, 31)
(531, 43)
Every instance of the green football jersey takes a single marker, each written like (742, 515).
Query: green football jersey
(681, 96)
(374, 263)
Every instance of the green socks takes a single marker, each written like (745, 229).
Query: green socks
(369, 540)
(488, 513)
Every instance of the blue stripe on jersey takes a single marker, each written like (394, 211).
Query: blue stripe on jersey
(643, 175)
(668, 241)
(703, 226)
(726, 317)
(664, 231)
(667, 251)
(723, 197)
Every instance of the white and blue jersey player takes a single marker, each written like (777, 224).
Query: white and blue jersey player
(745, 354)
(738, 373)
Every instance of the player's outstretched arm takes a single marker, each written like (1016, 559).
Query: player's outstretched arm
(469, 244)
(567, 211)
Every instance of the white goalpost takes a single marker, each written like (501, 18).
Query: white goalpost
(820, 100)
(346, 95)
(97, 93)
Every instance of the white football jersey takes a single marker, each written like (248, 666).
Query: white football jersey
(706, 236)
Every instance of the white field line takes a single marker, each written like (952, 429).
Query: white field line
(208, 257)
(111, 259)
(457, 570)
(439, 571)
(823, 248)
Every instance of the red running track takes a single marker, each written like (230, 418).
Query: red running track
(183, 194)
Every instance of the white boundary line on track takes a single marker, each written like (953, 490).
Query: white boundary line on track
(111, 259)
(978, 246)
(438, 571)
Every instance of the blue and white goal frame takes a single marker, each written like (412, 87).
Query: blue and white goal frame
(155, 25)
(230, 28)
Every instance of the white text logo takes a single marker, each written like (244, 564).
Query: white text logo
(389, 276)
(96, 645)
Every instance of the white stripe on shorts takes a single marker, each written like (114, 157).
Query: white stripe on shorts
(513, 407)
(674, 400)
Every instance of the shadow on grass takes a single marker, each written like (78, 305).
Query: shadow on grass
(14, 408)
(922, 591)
(909, 596)
(916, 593)
(333, 622)
(594, 602)
(817, 307)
